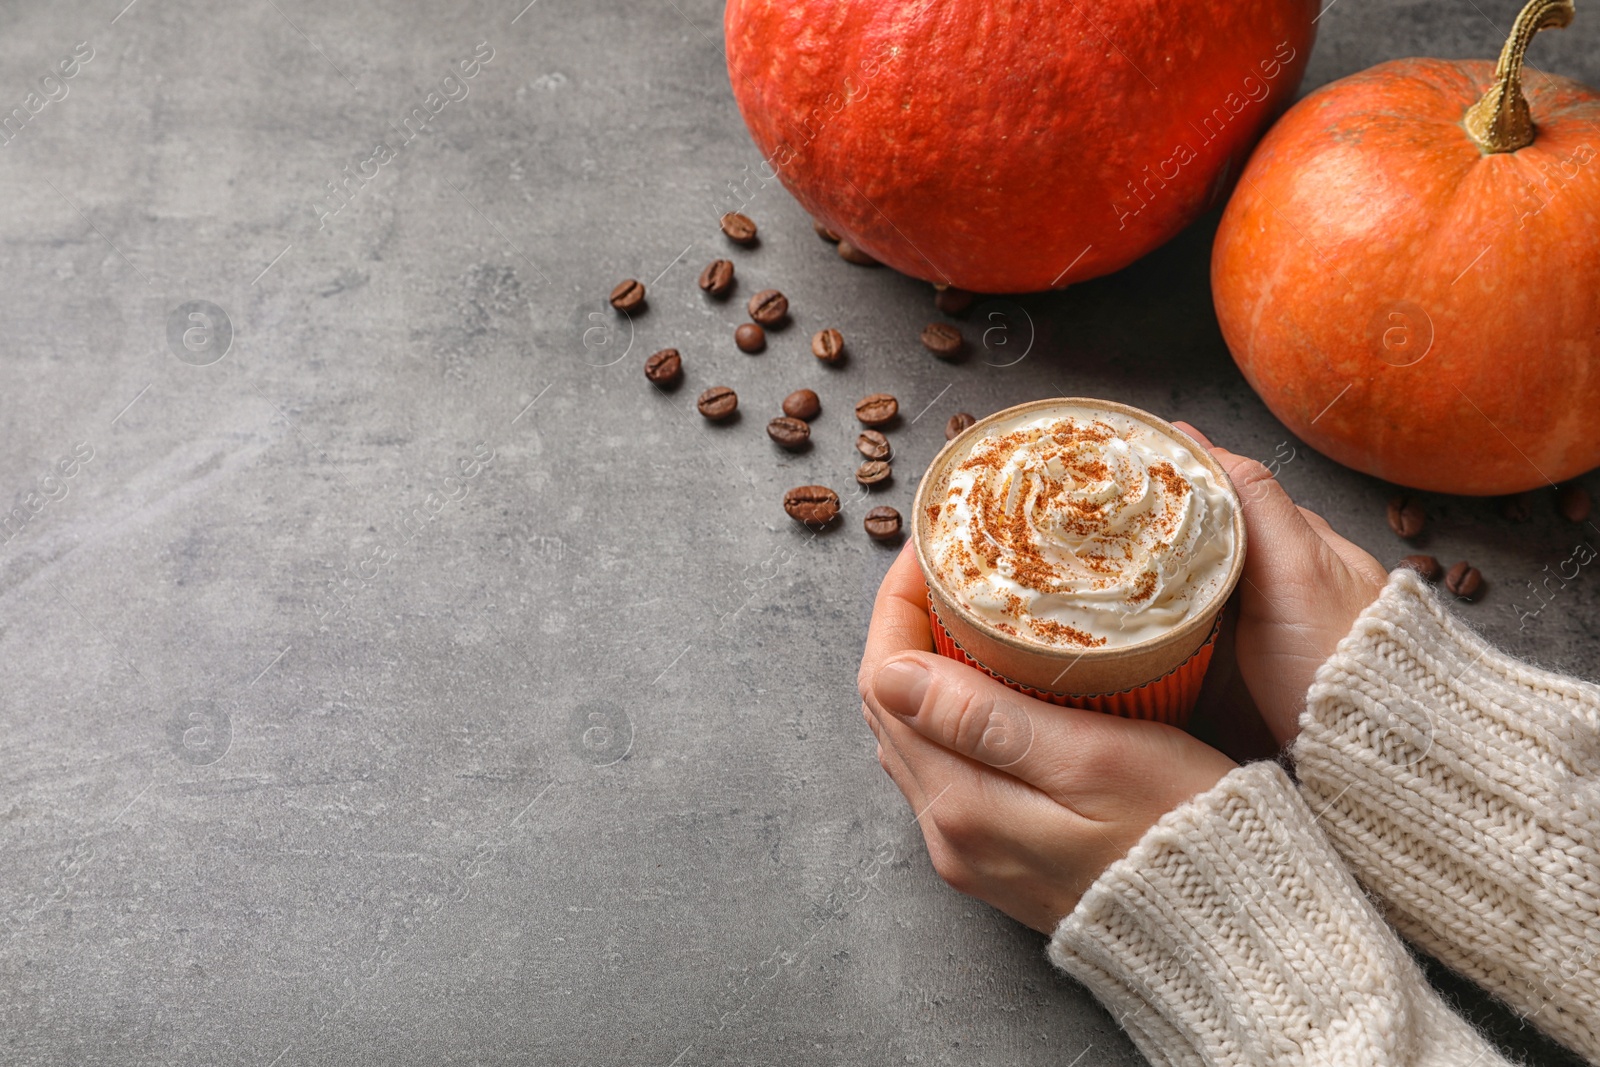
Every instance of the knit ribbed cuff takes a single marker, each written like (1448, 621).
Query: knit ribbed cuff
(1463, 789)
(1232, 935)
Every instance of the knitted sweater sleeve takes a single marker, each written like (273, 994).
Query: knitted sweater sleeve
(1462, 788)
(1233, 936)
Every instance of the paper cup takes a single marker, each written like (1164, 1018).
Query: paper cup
(1157, 678)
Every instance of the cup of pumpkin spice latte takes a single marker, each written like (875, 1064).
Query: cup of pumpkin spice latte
(1080, 551)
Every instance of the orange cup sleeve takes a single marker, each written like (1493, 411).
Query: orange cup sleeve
(1167, 699)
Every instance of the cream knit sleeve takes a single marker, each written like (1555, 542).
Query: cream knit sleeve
(1233, 936)
(1462, 787)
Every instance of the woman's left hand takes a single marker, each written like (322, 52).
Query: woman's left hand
(1022, 804)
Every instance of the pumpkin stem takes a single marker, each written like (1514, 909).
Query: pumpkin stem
(1500, 122)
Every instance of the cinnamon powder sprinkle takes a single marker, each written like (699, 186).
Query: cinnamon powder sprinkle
(1055, 494)
(1007, 533)
(1062, 634)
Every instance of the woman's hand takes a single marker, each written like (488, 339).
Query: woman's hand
(1022, 803)
(1302, 588)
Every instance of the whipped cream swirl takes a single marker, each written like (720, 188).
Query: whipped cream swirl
(1081, 528)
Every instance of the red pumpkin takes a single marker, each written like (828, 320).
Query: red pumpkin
(1409, 271)
(1017, 145)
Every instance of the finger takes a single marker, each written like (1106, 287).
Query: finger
(1354, 556)
(958, 791)
(951, 865)
(1260, 491)
(1316, 522)
(893, 764)
(1278, 534)
(1087, 761)
(1205, 442)
(899, 616)
(985, 831)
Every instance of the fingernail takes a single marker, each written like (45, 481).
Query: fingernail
(900, 686)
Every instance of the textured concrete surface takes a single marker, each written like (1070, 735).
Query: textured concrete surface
(401, 679)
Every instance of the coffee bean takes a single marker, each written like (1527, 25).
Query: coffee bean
(942, 339)
(953, 301)
(882, 524)
(828, 345)
(814, 505)
(627, 295)
(1405, 517)
(739, 228)
(1517, 508)
(769, 307)
(717, 278)
(873, 471)
(789, 432)
(1573, 502)
(802, 404)
(873, 445)
(664, 367)
(958, 422)
(718, 403)
(1426, 566)
(877, 409)
(1463, 580)
(750, 338)
(851, 254)
(823, 232)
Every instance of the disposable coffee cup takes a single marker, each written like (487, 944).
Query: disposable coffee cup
(1141, 660)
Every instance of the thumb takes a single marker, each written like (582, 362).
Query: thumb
(1277, 530)
(1281, 540)
(1093, 763)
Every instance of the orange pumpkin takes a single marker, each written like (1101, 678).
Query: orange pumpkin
(1409, 271)
(1015, 146)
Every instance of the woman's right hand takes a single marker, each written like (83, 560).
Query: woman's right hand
(1303, 587)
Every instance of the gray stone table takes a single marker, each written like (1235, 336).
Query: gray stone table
(398, 677)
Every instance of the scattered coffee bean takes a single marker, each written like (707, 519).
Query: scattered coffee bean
(873, 471)
(814, 505)
(627, 295)
(828, 345)
(823, 232)
(851, 254)
(802, 404)
(1463, 580)
(877, 409)
(741, 229)
(750, 338)
(1405, 517)
(718, 402)
(789, 432)
(1426, 566)
(717, 278)
(882, 524)
(1517, 508)
(664, 367)
(769, 307)
(942, 339)
(958, 422)
(953, 301)
(1573, 502)
(873, 445)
